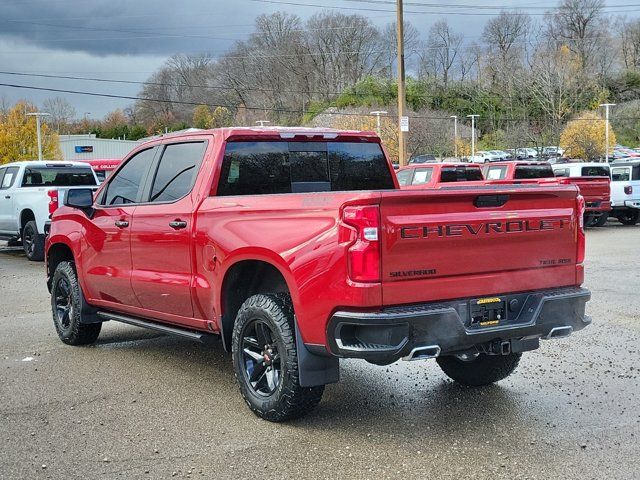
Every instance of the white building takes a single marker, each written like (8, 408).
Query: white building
(88, 147)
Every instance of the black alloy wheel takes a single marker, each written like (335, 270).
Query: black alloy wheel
(261, 358)
(63, 304)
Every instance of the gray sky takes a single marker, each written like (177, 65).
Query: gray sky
(128, 40)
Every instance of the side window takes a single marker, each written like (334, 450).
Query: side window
(125, 186)
(9, 177)
(177, 171)
(620, 174)
(2, 170)
(404, 177)
(422, 176)
(496, 173)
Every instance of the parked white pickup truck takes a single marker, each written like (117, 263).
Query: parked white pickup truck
(625, 191)
(30, 192)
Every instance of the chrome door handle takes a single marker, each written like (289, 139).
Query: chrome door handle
(178, 224)
(122, 223)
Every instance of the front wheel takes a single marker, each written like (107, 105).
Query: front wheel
(629, 217)
(68, 307)
(33, 242)
(265, 360)
(479, 370)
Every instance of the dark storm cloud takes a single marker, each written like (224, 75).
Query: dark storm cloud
(159, 27)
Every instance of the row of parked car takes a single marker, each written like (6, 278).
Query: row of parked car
(609, 190)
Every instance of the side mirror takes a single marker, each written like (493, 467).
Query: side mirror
(81, 198)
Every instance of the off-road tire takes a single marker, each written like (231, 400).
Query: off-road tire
(33, 242)
(75, 332)
(602, 220)
(630, 217)
(289, 400)
(482, 370)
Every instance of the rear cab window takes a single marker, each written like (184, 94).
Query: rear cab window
(272, 167)
(533, 171)
(460, 174)
(58, 177)
(595, 171)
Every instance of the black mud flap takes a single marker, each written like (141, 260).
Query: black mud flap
(315, 370)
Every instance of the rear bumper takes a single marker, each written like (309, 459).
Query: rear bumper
(632, 203)
(446, 328)
(597, 206)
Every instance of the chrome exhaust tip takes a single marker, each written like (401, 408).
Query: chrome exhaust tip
(423, 353)
(559, 332)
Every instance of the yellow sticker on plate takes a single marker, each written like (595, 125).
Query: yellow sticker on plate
(489, 300)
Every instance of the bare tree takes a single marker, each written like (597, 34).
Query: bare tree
(61, 111)
(580, 25)
(506, 35)
(390, 46)
(441, 51)
(630, 44)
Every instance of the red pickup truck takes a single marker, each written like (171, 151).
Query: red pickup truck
(297, 248)
(433, 175)
(592, 180)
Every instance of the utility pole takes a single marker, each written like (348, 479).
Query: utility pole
(606, 129)
(377, 113)
(455, 135)
(38, 115)
(473, 135)
(402, 143)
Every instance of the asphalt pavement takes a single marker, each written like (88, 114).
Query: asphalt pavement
(138, 404)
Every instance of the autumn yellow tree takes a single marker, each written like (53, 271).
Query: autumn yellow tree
(584, 137)
(388, 129)
(203, 117)
(18, 136)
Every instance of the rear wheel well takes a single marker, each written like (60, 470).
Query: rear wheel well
(57, 253)
(243, 280)
(25, 217)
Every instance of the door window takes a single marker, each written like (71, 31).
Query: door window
(404, 177)
(125, 186)
(9, 177)
(620, 174)
(177, 171)
(496, 173)
(422, 176)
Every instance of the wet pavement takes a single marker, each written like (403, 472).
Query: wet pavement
(143, 405)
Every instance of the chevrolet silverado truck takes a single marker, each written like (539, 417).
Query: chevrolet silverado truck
(625, 191)
(30, 191)
(519, 172)
(594, 181)
(433, 175)
(297, 248)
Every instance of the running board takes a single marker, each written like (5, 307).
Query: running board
(200, 337)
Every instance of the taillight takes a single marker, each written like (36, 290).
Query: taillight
(53, 201)
(581, 243)
(364, 253)
(628, 189)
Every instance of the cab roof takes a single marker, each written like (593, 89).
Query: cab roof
(45, 164)
(276, 133)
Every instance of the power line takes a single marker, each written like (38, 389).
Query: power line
(271, 109)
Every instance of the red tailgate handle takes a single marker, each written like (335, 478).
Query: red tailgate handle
(490, 200)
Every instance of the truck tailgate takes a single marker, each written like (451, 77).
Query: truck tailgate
(593, 189)
(474, 241)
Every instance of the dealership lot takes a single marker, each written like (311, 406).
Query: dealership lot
(143, 405)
